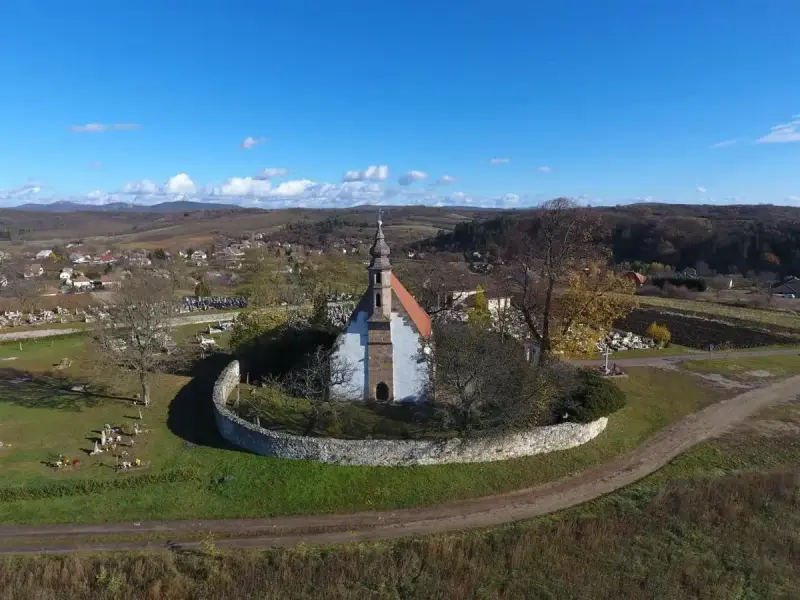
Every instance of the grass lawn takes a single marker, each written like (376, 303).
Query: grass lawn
(280, 412)
(756, 315)
(189, 458)
(719, 522)
(748, 368)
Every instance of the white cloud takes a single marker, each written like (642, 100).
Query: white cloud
(293, 188)
(500, 161)
(446, 180)
(411, 177)
(508, 200)
(99, 127)
(180, 184)
(701, 189)
(145, 186)
(96, 164)
(95, 194)
(272, 173)
(784, 132)
(793, 199)
(371, 173)
(251, 142)
(24, 191)
(725, 143)
(243, 186)
(544, 170)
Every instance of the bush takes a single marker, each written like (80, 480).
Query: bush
(692, 283)
(659, 334)
(594, 396)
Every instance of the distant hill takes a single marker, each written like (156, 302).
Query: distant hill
(164, 207)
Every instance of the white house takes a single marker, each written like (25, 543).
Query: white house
(384, 338)
(65, 274)
(82, 282)
(33, 270)
(494, 302)
(79, 257)
(44, 254)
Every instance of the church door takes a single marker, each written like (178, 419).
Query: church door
(382, 392)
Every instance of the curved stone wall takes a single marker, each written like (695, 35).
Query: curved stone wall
(262, 441)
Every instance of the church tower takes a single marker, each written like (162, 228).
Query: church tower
(380, 364)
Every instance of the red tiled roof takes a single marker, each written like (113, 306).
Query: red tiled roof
(418, 316)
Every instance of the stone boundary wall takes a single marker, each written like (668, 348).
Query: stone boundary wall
(258, 440)
(37, 333)
(199, 319)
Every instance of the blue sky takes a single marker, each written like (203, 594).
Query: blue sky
(489, 103)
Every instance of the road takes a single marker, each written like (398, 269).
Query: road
(479, 512)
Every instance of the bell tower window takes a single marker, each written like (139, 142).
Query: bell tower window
(378, 278)
(378, 300)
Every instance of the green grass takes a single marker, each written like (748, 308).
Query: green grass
(672, 350)
(719, 522)
(755, 315)
(281, 412)
(263, 486)
(743, 368)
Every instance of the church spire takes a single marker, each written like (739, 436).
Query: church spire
(379, 250)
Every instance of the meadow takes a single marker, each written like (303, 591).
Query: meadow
(194, 473)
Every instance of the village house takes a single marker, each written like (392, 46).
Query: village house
(79, 257)
(382, 341)
(82, 283)
(44, 254)
(637, 278)
(109, 281)
(199, 255)
(33, 270)
(65, 274)
(105, 258)
(139, 260)
(788, 287)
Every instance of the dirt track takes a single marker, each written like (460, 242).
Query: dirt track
(480, 512)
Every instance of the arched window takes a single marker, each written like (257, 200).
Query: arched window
(382, 392)
(378, 278)
(378, 300)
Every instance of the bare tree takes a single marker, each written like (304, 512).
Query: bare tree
(320, 374)
(483, 383)
(562, 240)
(134, 336)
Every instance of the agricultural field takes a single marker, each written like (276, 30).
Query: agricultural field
(764, 317)
(700, 331)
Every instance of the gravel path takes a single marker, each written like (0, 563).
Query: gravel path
(658, 361)
(479, 512)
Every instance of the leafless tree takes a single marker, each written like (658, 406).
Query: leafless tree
(134, 337)
(562, 239)
(25, 290)
(320, 374)
(483, 384)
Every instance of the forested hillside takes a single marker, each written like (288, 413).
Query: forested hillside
(723, 238)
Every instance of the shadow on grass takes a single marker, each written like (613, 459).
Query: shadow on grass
(191, 415)
(48, 390)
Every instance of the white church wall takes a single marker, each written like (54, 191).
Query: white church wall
(410, 374)
(352, 351)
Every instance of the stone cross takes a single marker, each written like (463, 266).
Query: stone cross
(607, 353)
(103, 437)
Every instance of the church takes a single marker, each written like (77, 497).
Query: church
(383, 341)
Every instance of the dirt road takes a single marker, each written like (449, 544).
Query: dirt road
(480, 512)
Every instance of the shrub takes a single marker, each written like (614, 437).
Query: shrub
(692, 283)
(594, 396)
(659, 334)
